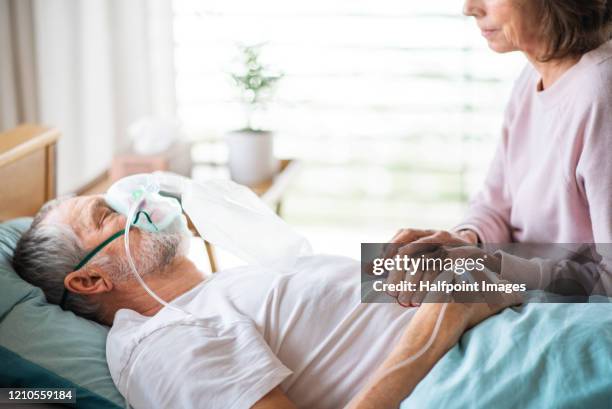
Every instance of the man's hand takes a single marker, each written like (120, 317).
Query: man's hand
(433, 250)
(413, 243)
(415, 277)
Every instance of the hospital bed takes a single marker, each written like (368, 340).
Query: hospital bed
(27, 170)
(528, 357)
(40, 344)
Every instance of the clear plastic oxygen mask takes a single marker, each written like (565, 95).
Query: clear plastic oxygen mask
(232, 217)
(138, 198)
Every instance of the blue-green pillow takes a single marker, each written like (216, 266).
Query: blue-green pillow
(42, 345)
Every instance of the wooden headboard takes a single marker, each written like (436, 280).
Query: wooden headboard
(27, 170)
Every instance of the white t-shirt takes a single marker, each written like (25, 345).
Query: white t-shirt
(306, 331)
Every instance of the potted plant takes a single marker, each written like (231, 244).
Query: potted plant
(251, 150)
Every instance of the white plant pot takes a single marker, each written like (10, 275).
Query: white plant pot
(251, 156)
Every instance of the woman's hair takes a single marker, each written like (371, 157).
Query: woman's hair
(574, 27)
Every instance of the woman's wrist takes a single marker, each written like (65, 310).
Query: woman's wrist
(469, 235)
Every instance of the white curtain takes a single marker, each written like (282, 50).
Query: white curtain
(99, 65)
(18, 92)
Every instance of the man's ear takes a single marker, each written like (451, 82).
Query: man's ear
(88, 281)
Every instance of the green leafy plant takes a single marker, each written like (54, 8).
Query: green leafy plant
(256, 82)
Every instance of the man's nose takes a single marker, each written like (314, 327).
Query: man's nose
(473, 8)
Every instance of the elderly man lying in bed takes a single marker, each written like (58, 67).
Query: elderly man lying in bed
(256, 340)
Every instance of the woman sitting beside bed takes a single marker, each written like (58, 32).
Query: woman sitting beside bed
(256, 339)
(551, 178)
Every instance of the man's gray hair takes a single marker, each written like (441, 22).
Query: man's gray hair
(45, 254)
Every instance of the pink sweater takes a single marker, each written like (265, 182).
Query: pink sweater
(551, 178)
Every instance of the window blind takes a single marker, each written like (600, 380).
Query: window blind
(393, 107)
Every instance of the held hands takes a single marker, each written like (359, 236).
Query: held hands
(411, 242)
(440, 245)
(440, 322)
(416, 236)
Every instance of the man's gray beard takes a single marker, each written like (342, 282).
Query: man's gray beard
(156, 251)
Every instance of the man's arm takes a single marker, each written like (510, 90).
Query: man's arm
(387, 389)
(275, 399)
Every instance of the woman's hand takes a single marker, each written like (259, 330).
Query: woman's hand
(410, 235)
(416, 236)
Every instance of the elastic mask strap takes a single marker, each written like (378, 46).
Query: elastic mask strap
(96, 250)
(88, 257)
(146, 216)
